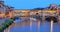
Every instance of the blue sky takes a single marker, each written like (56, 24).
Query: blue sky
(30, 4)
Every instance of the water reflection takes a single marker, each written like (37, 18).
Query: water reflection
(19, 20)
(33, 25)
(38, 26)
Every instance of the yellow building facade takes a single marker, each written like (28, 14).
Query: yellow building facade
(30, 13)
(26, 13)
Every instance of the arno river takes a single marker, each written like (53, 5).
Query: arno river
(33, 25)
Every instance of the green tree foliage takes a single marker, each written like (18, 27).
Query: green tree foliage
(5, 25)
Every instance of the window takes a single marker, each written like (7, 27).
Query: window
(0, 5)
(58, 8)
(32, 13)
(22, 13)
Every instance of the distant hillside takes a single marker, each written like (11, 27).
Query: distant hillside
(38, 9)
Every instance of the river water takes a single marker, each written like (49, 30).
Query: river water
(34, 26)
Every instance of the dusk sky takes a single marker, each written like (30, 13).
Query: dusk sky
(30, 4)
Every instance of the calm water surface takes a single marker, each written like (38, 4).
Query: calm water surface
(34, 27)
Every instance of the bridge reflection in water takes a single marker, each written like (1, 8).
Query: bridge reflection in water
(33, 25)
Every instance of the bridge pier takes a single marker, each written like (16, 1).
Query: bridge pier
(43, 19)
(59, 19)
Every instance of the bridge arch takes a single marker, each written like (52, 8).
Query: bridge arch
(49, 18)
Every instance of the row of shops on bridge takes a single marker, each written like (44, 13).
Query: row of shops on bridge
(32, 12)
(51, 10)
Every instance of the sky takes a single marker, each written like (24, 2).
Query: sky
(30, 4)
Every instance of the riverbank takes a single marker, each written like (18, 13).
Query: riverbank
(5, 25)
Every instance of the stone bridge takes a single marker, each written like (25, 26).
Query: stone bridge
(31, 13)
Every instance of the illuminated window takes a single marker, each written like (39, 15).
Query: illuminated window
(22, 13)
